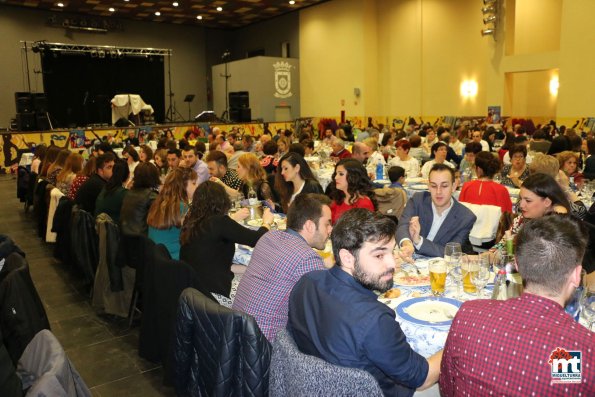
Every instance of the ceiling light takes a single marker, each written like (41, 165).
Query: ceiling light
(157, 13)
(111, 9)
(219, 8)
(199, 17)
(292, 2)
(60, 5)
(175, 4)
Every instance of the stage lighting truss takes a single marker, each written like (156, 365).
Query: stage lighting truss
(97, 51)
(491, 16)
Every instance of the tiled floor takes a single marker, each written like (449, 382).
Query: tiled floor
(103, 350)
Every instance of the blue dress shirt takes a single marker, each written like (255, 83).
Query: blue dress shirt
(333, 317)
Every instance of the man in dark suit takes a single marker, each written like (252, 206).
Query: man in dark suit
(432, 219)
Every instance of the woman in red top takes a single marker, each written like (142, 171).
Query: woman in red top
(484, 190)
(351, 188)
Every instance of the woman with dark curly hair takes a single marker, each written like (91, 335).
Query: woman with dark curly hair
(484, 190)
(294, 177)
(209, 236)
(351, 188)
(516, 172)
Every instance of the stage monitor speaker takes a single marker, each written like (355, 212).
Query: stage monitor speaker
(40, 103)
(23, 102)
(240, 115)
(43, 123)
(26, 121)
(239, 99)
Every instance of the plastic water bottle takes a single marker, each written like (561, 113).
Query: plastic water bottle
(572, 185)
(379, 171)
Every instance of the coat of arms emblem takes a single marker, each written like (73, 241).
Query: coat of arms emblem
(282, 79)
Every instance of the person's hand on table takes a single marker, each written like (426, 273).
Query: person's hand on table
(267, 217)
(406, 251)
(240, 214)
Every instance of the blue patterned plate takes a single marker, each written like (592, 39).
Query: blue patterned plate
(429, 311)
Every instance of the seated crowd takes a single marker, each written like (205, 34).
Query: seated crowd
(180, 195)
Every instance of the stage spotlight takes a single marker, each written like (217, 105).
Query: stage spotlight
(487, 10)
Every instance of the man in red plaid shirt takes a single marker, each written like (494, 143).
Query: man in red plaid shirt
(280, 258)
(526, 346)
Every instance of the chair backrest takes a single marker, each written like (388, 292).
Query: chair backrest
(84, 243)
(295, 374)
(391, 201)
(229, 355)
(22, 314)
(486, 223)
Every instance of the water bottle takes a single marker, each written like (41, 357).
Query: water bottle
(252, 198)
(572, 185)
(379, 171)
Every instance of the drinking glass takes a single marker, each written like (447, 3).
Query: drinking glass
(507, 262)
(456, 274)
(482, 276)
(588, 307)
(451, 249)
(437, 277)
(469, 267)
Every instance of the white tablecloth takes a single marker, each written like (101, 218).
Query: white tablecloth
(124, 104)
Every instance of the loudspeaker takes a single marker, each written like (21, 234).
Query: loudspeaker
(239, 99)
(42, 122)
(40, 103)
(26, 121)
(23, 102)
(240, 115)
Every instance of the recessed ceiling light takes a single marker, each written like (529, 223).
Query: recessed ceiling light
(292, 2)
(60, 5)
(111, 9)
(175, 4)
(157, 13)
(219, 8)
(199, 17)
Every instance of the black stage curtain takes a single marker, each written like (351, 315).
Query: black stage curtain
(79, 87)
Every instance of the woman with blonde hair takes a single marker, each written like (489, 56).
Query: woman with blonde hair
(282, 146)
(56, 167)
(72, 166)
(168, 210)
(254, 177)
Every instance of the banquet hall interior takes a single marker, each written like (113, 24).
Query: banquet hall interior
(76, 74)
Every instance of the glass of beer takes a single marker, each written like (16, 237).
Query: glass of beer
(437, 277)
(469, 268)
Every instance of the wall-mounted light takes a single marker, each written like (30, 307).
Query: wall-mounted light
(469, 88)
(490, 17)
(487, 32)
(554, 85)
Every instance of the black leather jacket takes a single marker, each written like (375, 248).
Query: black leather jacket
(218, 351)
(135, 208)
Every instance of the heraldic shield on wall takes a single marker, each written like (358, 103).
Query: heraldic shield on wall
(282, 79)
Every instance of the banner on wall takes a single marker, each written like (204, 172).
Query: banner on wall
(494, 115)
(282, 79)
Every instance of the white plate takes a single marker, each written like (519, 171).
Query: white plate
(254, 222)
(429, 310)
(418, 187)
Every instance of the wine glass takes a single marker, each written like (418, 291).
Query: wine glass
(451, 249)
(481, 277)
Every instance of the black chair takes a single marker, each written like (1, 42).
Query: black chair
(22, 314)
(218, 351)
(163, 281)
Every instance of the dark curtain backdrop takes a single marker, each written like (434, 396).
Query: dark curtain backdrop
(79, 87)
